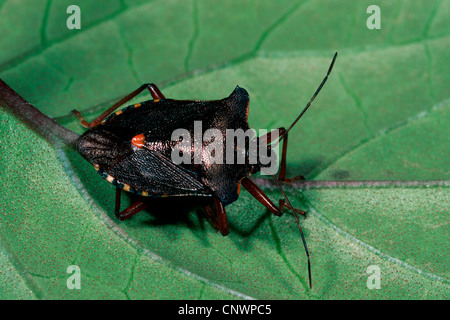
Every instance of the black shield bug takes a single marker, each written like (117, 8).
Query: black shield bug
(134, 149)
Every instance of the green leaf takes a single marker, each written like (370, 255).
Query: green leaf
(382, 116)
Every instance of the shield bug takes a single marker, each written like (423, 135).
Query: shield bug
(134, 149)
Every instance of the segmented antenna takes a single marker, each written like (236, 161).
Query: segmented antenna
(311, 100)
(281, 137)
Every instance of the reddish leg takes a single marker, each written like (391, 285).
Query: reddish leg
(259, 195)
(136, 207)
(282, 205)
(154, 91)
(268, 139)
(210, 214)
(219, 219)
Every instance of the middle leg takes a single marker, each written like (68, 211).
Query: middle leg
(259, 195)
(219, 218)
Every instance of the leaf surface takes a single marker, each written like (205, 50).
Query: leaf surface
(382, 115)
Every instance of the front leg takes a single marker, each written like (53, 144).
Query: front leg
(267, 138)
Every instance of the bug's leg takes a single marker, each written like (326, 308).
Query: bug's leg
(282, 175)
(210, 214)
(221, 217)
(268, 139)
(259, 195)
(219, 220)
(282, 204)
(136, 207)
(154, 91)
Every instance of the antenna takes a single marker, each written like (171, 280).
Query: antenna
(311, 100)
